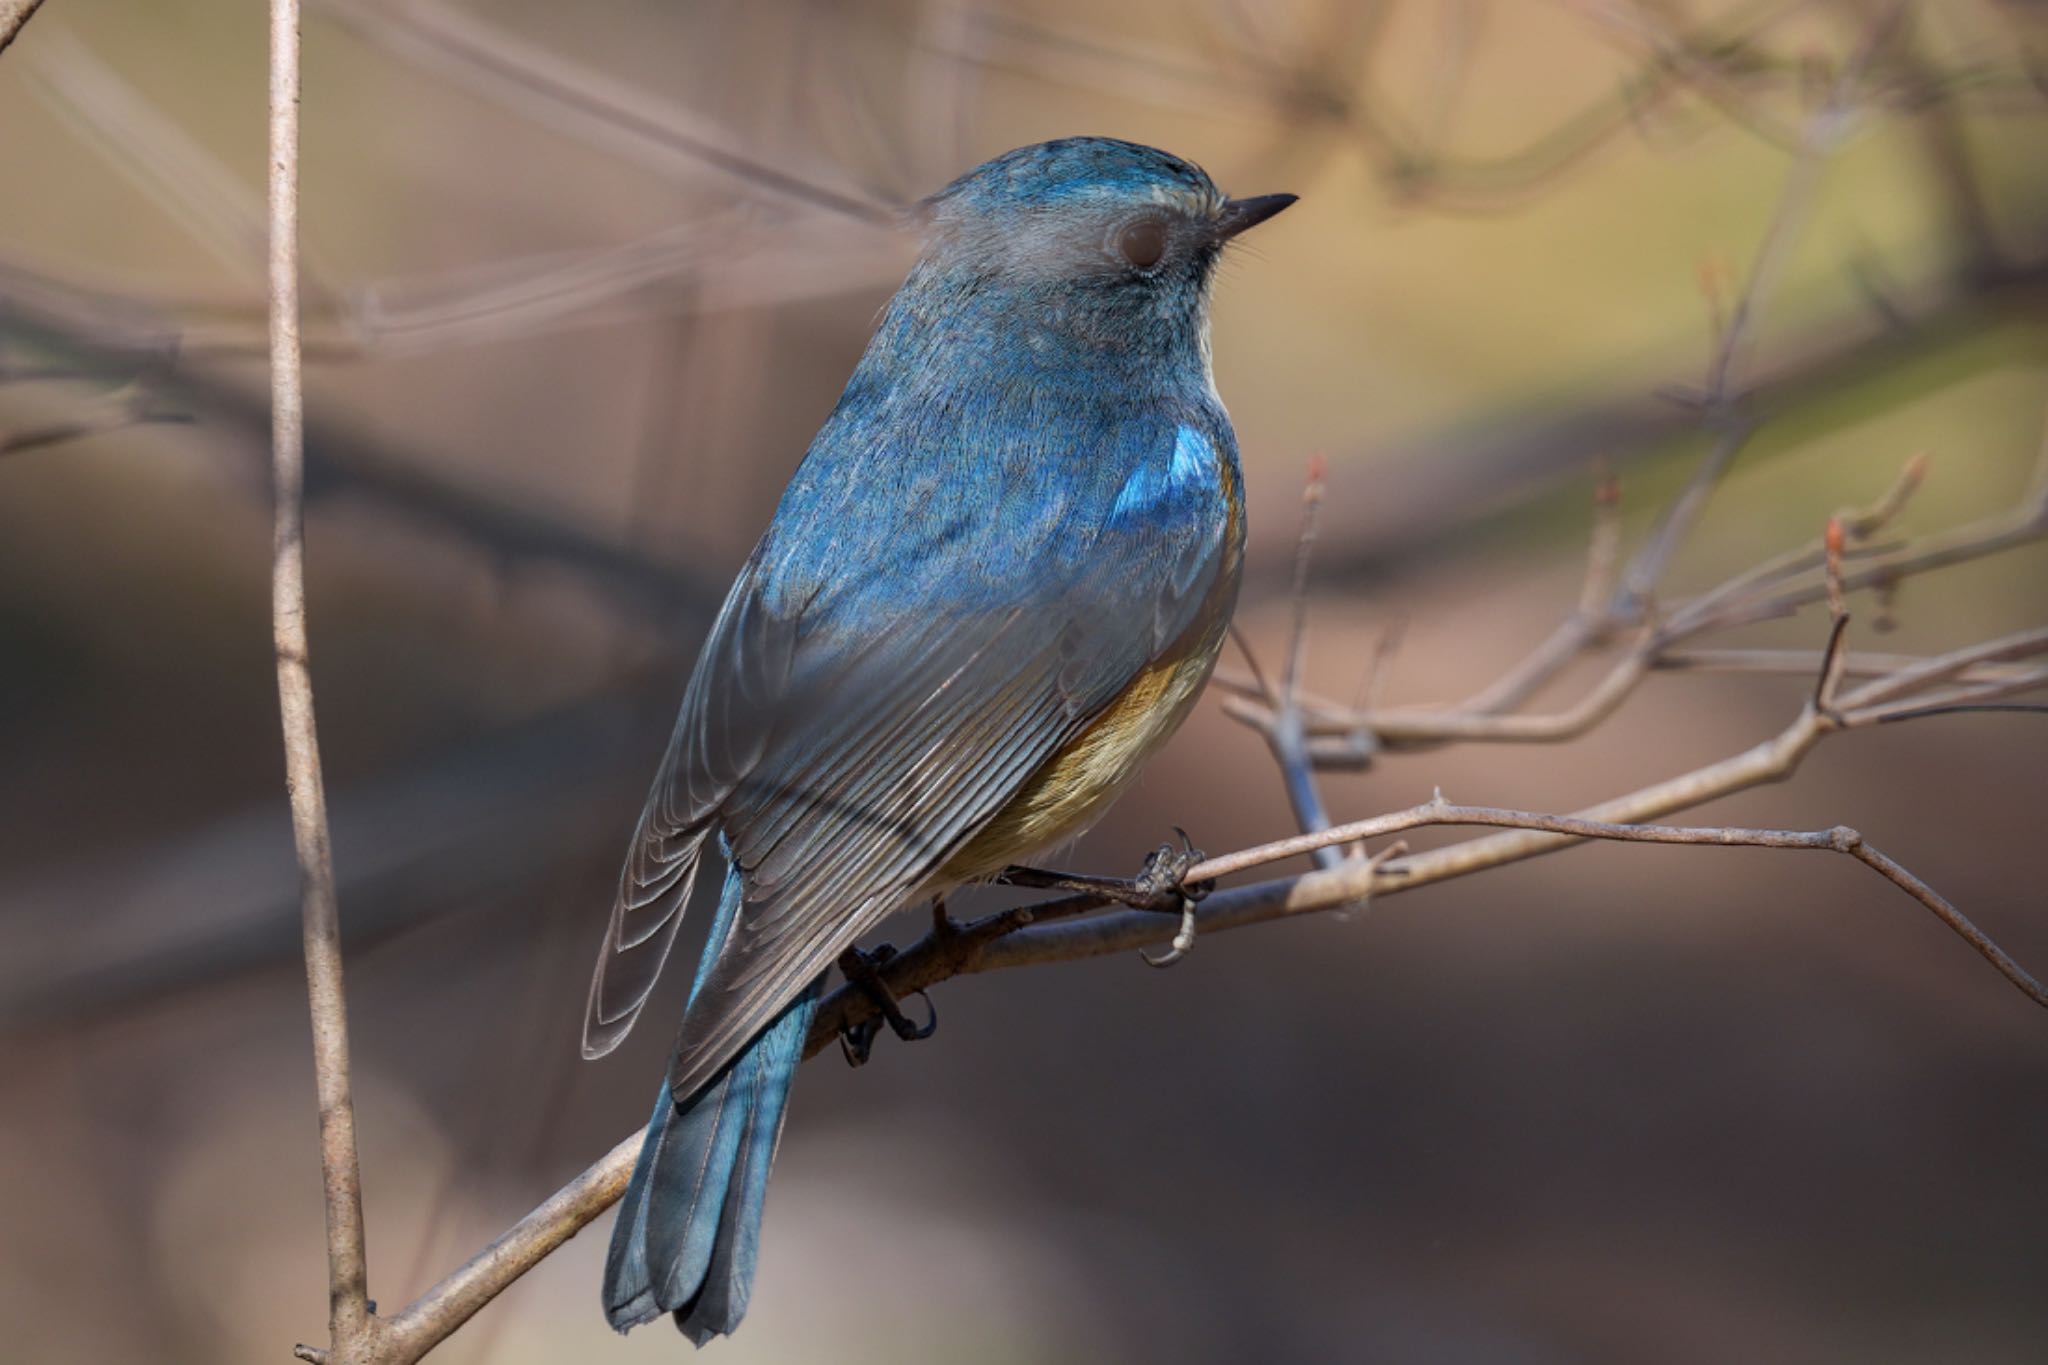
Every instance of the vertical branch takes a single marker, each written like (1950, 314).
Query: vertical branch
(349, 1319)
(13, 14)
(1289, 740)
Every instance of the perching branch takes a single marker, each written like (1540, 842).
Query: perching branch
(1023, 936)
(1067, 930)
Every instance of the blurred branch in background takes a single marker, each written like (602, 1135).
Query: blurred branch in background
(767, 225)
(1301, 75)
(130, 405)
(1342, 737)
(533, 83)
(1319, 74)
(481, 302)
(455, 834)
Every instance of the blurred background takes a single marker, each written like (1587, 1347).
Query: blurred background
(584, 279)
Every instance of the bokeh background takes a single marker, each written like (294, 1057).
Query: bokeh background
(585, 279)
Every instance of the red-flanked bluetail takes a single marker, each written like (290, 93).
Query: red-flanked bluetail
(994, 586)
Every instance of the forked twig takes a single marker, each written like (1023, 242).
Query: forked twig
(1285, 736)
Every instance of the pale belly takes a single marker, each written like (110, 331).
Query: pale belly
(1071, 790)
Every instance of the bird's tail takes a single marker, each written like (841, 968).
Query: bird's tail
(690, 1223)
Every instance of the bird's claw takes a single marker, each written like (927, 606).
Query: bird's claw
(861, 969)
(1165, 872)
(1160, 883)
(1160, 886)
(857, 1040)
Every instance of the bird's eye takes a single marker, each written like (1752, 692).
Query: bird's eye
(1143, 242)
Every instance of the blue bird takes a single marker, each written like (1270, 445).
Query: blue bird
(994, 586)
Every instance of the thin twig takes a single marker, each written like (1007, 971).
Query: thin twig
(1855, 663)
(1859, 524)
(1963, 708)
(1920, 673)
(351, 1328)
(1286, 736)
(1338, 735)
(1828, 683)
(1943, 700)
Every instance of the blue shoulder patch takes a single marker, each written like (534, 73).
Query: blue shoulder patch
(1193, 467)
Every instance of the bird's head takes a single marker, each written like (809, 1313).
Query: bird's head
(1114, 240)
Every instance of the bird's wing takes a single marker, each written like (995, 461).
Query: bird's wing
(726, 720)
(906, 648)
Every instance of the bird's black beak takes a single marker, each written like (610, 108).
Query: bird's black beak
(1239, 214)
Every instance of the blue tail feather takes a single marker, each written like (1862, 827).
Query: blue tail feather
(689, 1227)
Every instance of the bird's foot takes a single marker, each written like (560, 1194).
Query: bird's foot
(861, 969)
(1159, 886)
(1165, 872)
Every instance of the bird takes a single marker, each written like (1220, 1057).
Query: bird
(994, 585)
